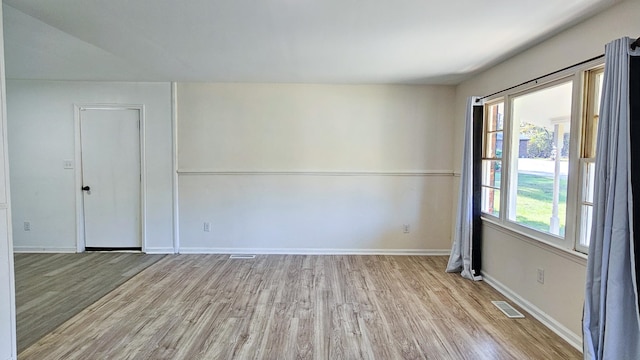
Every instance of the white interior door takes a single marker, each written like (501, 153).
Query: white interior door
(110, 148)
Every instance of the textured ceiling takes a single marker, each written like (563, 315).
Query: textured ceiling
(312, 41)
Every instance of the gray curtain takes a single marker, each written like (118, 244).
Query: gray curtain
(611, 323)
(460, 259)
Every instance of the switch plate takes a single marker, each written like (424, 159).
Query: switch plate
(406, 228)
(67, 164)
(27, 226)
(207, 227)
(541, 276)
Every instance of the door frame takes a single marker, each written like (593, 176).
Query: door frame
(77, 110)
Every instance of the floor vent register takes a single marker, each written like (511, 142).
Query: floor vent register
(242, 256)
(508, 310)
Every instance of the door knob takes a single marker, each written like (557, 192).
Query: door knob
(86, 188)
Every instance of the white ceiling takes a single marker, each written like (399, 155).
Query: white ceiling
(314, 41)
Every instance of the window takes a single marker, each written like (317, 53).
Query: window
(492, 158)
(538, 157)
(593, 90)
(539, 151)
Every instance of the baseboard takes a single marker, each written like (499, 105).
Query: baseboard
(39, 249)
(159, 250)
(293, 251)
(569, 336)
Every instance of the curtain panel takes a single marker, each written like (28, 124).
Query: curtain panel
(611, 322)
(465, 255)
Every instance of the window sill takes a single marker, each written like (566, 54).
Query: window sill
(569, 254)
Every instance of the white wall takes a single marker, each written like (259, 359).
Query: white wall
(314, 168)
(41, 136)
(509, 259)
(7, 286)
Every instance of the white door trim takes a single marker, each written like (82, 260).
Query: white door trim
(77, 109)
(174, 167)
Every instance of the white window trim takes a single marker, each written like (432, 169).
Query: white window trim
(570, 242)
(575, 256)
(585, 111)
(501, 158)
(582, 161)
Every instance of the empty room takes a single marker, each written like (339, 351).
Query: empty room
(415, 179)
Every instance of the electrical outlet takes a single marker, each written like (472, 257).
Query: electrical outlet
(67, 164)
(541, 276)
(207, 226)
(27, 226)
(406, 228)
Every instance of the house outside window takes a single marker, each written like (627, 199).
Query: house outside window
(540, 155)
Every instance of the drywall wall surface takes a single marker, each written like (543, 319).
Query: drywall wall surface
(507, 258)
(295, 167)
(314, 213)
(581, 42)
(513, 261)
(8, 345)
(263, 127)
(42, 135)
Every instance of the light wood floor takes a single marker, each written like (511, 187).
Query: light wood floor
(52, 288)
(299, 307)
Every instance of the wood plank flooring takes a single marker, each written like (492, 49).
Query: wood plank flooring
(52, 288)
(299, 307)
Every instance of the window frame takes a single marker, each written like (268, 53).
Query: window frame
(587, 150)
(579, 76)
(485, 134)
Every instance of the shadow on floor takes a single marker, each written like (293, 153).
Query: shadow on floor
(52, 288)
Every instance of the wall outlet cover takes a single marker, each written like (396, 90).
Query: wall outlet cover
(541, 276)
